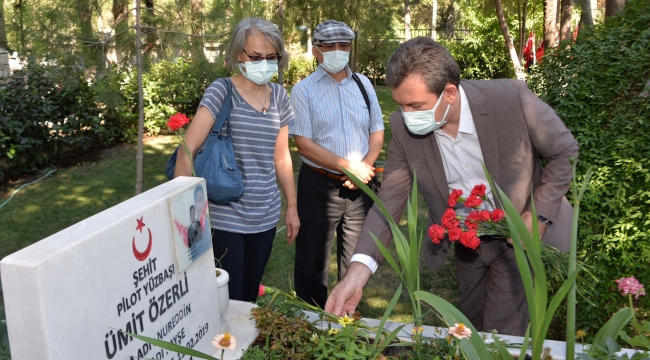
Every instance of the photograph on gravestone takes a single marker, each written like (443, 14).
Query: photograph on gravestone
(74, 294)
(192, 235)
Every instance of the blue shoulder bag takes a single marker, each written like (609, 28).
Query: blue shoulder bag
(215, 159)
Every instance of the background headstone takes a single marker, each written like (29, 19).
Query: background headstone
(66, 296)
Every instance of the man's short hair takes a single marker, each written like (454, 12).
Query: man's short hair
(425, 57)
(332, 31)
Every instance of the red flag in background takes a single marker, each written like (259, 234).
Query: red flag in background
(529, 56)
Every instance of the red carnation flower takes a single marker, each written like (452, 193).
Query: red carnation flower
(484, 215)
(473, 201)
(436, 233)
(454, 234)
(177, 121)
(449, 219)
(471, 224)
(479, 190)
(453, 197)
(261, 291)
(497, 215)
(470, 240)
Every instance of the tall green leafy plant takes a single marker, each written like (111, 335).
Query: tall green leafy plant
(406, 266)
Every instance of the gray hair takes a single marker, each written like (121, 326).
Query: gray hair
(425, 57)
(250, 26)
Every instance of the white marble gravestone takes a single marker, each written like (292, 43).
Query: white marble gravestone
(67, 295)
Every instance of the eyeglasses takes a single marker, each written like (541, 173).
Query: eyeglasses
(255, 58)
(334, 46)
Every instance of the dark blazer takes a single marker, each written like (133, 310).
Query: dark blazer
(515, 128)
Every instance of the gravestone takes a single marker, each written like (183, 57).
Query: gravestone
(137, 267)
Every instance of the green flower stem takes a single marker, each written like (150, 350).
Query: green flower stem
(181, 137)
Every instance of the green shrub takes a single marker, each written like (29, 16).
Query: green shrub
(595, 86)
(45, 113)
(170, 86)
(300, 66)
(373, 57)
(482, 54)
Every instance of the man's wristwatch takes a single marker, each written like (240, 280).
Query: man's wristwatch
(544, 220)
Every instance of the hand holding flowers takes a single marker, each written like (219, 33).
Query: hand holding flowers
(176, 123)
(477, 223)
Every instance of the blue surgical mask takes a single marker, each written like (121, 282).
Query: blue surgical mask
(334, 61)
(259, 72)
(424, 122)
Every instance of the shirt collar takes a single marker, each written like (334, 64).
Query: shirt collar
(466, 120)
(321, 73)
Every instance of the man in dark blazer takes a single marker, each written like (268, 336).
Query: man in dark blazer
(445, 129)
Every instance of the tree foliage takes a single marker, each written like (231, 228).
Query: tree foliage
(599, 86)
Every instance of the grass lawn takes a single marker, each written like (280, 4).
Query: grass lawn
(73, 194)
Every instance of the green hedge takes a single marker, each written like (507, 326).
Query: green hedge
(482, 54)
(170, 86)
(597, 87)
(45, 113)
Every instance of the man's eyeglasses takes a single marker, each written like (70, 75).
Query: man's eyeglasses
(335, 46)
(255, 58)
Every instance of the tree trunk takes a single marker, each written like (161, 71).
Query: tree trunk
(506, 35)
(197, 28)
(523, 36)
(565, 27)
(586, 19)
(149, 20)
(120, 12)
(281, 27)
(21, 20)
(138, 48)
(612, 7)
(550, 33)
(3, 31)
(407, 19)
(434, 20)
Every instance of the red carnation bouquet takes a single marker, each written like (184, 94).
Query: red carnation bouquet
(477, 223)
(176, 124)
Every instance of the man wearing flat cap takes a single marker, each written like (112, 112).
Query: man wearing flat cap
(338, 124)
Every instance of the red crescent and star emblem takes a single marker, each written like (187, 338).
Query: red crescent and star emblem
(141, 256)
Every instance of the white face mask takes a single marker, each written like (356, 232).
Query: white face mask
(334, 61)
(424, 122)
(259, 72)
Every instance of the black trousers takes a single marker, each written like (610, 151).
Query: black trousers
(244, 257)
(490, 289)
(325, 206)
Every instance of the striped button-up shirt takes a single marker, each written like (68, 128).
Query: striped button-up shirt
(334, 115)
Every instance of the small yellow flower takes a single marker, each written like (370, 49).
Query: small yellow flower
(417, 330)
(460, 331)
(345, 321)
(225, 341)
(580, 334)
(333, 331)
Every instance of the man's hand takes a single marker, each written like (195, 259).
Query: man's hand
(349, 183)
(527, 216)
(346, 295)
(362, 170)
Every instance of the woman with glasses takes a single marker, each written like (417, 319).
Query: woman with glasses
(243, 231)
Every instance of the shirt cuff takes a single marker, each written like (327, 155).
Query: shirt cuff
(366, 260)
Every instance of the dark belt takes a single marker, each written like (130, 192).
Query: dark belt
(325, 172)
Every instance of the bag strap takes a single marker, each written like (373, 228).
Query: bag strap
(223, 117)
(363, 92)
